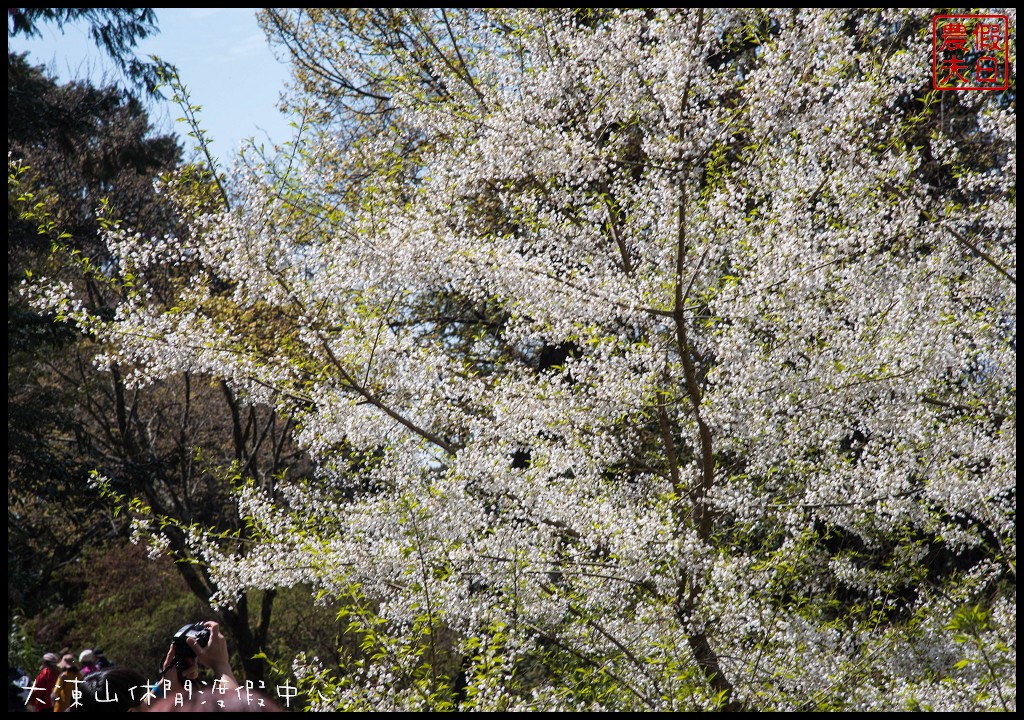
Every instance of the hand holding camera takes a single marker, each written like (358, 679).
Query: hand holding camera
(182, 651)
(195, 644)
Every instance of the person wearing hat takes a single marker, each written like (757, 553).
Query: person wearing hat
(67, 683)
(40, 697)
(86, 662)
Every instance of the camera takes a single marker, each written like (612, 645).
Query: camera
(197, 630)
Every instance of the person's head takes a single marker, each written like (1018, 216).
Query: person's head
(117, 689)
(51, 660)
(68, 664)
(86, 656)
(241, 700)
(189, 668)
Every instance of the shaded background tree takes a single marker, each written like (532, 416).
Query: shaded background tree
(115, 30)
(179, 444)
(83, 144)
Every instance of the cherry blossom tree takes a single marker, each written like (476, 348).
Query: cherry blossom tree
(651, 360)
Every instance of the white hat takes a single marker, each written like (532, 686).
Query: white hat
(86, 656)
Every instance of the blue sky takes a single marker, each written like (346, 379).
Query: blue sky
(222, 57)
